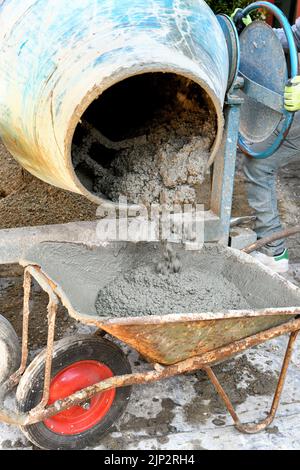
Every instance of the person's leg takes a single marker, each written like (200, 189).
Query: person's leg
(261, 178)
(261, 189)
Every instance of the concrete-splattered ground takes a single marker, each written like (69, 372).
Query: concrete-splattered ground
(184, 412)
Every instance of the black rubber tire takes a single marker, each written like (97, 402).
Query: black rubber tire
(10, 351)
(100, 333)
(67, 352)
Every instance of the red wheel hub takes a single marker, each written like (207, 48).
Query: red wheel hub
(71, 379)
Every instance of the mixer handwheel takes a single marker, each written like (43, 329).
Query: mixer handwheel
(264, 120)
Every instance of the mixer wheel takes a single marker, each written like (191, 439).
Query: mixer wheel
(10, 352)
(78, 362)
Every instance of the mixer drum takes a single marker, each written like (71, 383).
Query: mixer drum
(55, 62)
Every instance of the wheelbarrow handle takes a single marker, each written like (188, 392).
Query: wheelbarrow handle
(272, 238)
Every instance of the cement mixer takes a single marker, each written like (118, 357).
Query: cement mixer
(63, 59)
(56, 65)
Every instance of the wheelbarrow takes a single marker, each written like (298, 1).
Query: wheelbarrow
(75, 390)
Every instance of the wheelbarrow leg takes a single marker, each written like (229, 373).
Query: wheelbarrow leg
(26, 314)
(254, 428)
(15, 378)
(52, 312)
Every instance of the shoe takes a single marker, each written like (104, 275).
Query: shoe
(279, 263)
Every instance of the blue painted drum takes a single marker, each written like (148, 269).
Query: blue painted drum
(55, 60)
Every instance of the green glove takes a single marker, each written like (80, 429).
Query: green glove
(292, 95)
(236, 17)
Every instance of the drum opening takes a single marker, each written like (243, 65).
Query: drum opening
(148, 138)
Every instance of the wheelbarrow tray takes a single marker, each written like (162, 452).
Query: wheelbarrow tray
(77, 272)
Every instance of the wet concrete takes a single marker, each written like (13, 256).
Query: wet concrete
(199, 286)
(160, 154)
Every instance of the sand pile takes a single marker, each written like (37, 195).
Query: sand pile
(27, 201)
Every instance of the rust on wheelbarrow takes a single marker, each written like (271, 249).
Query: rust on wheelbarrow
(175, 343)
(167, 343)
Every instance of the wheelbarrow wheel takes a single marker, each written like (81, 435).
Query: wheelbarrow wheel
(10, 351)
(78, 362)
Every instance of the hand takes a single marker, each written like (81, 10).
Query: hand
(240, 21)
(292, 95)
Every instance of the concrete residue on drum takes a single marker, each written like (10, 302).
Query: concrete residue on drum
(163, 159)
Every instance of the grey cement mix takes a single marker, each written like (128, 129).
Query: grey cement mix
(170, 262)
(126, 274)
(166, 163)
(167, 286)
